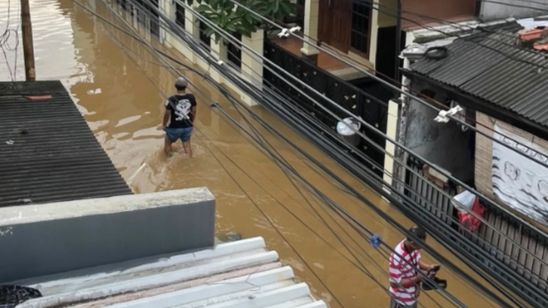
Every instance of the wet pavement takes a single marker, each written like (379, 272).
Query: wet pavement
(119, 87)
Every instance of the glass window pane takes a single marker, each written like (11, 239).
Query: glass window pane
(180, 15)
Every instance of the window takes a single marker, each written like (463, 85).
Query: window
(180, 15)
(204, 38)
(359, 38)
(296, 18)
(148, 15)
(234, 52)
(122, 3)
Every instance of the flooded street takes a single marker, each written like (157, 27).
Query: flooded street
(119, 87)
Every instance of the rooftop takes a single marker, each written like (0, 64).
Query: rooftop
(233, 274)
(491, 68)
(48, 151)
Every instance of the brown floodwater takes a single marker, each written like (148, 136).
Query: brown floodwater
(119, 86)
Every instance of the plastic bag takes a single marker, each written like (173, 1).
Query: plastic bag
(464, 201)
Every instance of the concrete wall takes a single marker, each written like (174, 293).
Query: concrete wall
(484, 150)
(45, 239)
(217, 49)
(445, 145)
(388, 14)
(374, 36)
(436, 9)
(391, 131)
(510, 8)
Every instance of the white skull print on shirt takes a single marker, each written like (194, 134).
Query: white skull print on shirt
(182, 109)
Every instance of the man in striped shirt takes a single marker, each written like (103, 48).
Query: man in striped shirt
(405, 261)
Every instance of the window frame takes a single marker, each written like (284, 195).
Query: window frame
(365, 35)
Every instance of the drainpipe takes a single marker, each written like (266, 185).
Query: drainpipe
(401, 155)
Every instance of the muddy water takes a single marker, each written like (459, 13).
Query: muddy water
(119, 86)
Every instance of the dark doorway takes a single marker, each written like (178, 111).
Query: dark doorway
(386, 46)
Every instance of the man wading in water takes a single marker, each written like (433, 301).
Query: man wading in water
(180, 113)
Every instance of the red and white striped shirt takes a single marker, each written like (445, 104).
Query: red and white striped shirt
(404, 265)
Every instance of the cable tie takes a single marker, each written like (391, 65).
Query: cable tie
(375, 241)
(443, 115)
(295, 29)
(284, 33)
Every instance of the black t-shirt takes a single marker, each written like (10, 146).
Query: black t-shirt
(180, 108)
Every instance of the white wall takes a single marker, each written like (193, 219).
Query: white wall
(218, 50)
(491, 11)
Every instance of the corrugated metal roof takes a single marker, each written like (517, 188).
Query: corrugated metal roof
(489, 67)
(234, 274)
(47, 151)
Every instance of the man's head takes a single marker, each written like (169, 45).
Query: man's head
(181, 83)
(418, 233)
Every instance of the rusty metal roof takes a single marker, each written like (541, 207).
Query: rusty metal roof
(489, 67)
(47, 151)
(243, 273)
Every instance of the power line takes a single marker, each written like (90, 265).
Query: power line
(495, 230)
(358, 265)
(415, 93)
(333, 204)
(452, 218)
(382, 81)
(362, 268)
(375, 165)
(363, 199)
(462, 27)
(377, 131)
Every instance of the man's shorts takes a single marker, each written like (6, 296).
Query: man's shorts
(179, 133)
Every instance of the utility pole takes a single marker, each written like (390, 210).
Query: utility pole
(28, 48)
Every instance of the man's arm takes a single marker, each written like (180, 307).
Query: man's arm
(193, 113)
(165, 119)
(167, 113)
(396, 280)
(409, 282)
(428, 267)
(412, 281)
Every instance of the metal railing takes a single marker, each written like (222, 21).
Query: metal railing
(521, 249)
(511, 252)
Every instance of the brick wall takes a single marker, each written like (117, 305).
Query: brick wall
(524, 248)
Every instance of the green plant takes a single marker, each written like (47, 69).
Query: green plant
(234, 19)
(228, 17)
(276, 10)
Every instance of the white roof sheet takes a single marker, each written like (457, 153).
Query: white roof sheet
(234, 274)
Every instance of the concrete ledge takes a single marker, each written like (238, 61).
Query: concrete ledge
(51, 238)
